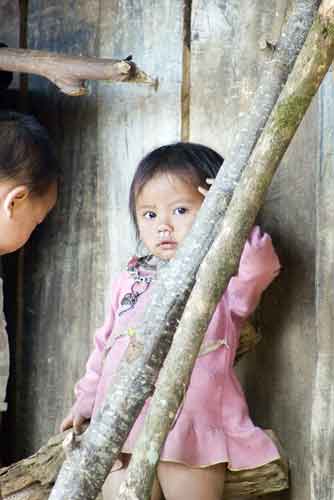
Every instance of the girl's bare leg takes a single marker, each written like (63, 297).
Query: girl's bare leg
(114, 480)
(179, 481)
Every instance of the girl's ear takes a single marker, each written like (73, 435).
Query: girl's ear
(14, 199)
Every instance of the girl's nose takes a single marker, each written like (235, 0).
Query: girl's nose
(164, 228)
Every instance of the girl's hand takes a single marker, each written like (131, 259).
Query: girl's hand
(204, 191)
(75, 422)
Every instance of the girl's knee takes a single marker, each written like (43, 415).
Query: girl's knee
(112, 484)
(114, 480)
(200, 483)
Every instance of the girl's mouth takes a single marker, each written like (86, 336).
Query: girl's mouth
(167, 244)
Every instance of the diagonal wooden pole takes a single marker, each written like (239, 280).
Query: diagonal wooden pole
(222, 259)
(85, 470)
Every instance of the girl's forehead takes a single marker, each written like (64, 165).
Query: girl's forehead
(168, 181)
(166, 186)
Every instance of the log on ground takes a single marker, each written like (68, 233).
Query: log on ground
(34, 477)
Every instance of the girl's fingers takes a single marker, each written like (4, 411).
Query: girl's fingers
(203, 191)
(75, 422)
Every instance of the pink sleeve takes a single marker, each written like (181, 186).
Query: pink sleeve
(85, 389)
(258, 266)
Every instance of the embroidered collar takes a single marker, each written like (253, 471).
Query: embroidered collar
(138, 264)
(143, 270)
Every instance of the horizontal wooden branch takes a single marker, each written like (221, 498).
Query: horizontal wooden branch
(70, 72)
(33, 477)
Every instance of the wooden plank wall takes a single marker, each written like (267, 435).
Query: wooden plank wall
(100, 138)
(135, 119)
(10, 23)
(71, 258)
(279, 376)
(322, 430)
(227, 56)
(61, 258)
(10, 30)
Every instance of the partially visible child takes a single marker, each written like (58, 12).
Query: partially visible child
(28, 191)
(213, 429)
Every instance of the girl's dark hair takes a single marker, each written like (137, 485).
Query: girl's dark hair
(193, 161)
(26, 152)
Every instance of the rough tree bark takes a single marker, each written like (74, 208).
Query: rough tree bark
(85, 470)
(222, 259)
(70, 72)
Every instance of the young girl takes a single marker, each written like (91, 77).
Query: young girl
(213, 429)
(28, 191)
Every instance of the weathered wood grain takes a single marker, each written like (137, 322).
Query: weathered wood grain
(278, 388)
(321, 449)
(10, 23)
(228, 52)
(70, 259)
(61, 291)
(134, 120)
(287, 316)
(10, 31)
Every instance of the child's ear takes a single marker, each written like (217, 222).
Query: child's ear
(14, 199)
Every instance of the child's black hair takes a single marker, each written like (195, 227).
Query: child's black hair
(193, 161)
(27, 154)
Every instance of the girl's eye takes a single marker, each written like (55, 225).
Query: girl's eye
(149, 215)
(180, 210)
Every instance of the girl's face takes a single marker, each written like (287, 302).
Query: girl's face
(166, 208)
(20, 213)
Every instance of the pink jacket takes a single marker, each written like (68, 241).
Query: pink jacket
(213, 424)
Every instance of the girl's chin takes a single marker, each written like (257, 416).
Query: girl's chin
(166, 253)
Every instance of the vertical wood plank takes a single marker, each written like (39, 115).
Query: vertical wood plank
(228, 50)
(135, 119)
(10, 22)
(279, 375)
(10, 35)
(322, 471)
(60, 297)
(227, 40)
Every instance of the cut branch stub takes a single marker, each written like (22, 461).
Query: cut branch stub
(70, 72)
